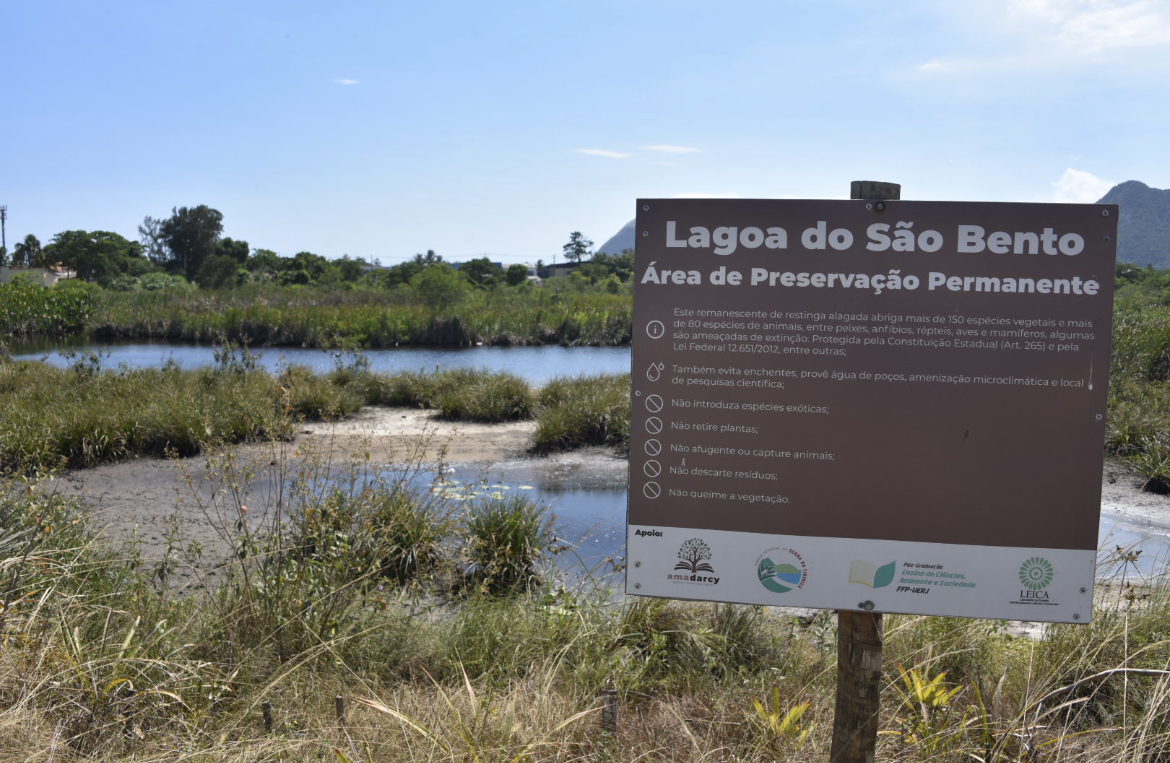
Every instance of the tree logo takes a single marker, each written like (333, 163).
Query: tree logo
(693, 555)
(1036, 573)
(784, 575)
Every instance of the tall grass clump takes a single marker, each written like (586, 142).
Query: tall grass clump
(82, 416)
(583, 411)
(483, 397)
(507, 539)
(460, 394)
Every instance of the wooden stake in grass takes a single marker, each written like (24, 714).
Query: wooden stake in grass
(609, 710)
(859, 634)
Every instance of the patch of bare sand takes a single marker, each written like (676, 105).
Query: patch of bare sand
(397, 435)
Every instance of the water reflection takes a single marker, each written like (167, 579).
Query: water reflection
(537, 365)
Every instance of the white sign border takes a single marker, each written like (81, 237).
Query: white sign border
(990, 582)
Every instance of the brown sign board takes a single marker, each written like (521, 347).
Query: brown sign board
(823, 389)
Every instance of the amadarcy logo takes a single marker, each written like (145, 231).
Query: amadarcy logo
(693, 556)
(781, 569)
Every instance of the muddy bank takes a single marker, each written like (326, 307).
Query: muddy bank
(153, 503)
(193, 505)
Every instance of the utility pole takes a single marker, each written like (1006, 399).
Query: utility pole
(3, 232)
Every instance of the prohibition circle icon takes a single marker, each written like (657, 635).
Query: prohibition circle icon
(653, 447)
(653, 425)
(652, 468)
(654, 403)
(651, 490)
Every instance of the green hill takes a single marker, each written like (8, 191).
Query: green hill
(1143, 229)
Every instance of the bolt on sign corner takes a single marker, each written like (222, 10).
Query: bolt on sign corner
(838, 403)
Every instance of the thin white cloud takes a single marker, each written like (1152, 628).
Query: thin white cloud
(1036, 34)
(346, 81)
(706, 196)
(1096, 26)
(1079, 187)
(602, 152)
(672, 149)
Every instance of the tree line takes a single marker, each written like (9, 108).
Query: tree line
(189, 247)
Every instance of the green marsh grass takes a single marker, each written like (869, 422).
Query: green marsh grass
(85, 415)
(1139, 390)
(583, 411)
(365, 317)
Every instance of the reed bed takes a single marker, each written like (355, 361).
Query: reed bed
(365, 317)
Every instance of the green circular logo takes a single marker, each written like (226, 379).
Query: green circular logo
(1036, 573)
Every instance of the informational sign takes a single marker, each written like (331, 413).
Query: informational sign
(851, 405)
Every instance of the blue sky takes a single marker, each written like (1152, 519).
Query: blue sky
(382, 129)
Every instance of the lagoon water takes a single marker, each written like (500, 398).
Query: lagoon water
(590, 516)
(536, 365)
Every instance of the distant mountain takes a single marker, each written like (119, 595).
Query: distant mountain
(1143, 225)
(620, 241)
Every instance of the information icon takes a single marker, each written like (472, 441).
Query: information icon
(655, 329)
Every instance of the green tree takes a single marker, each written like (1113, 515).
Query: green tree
(481, 271)
(578, 247)
(516, 274)
(430, 258)
(191, 235)
(265, 262)
(218, 271)
(440, 285)
(154, 243)
(350, 269)
(402, 273)
(98, 255)
(237, 250)
(29, 253)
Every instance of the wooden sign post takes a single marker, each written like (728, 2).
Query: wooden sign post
(859, 634)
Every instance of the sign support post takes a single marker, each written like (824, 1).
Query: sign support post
(859, 634)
